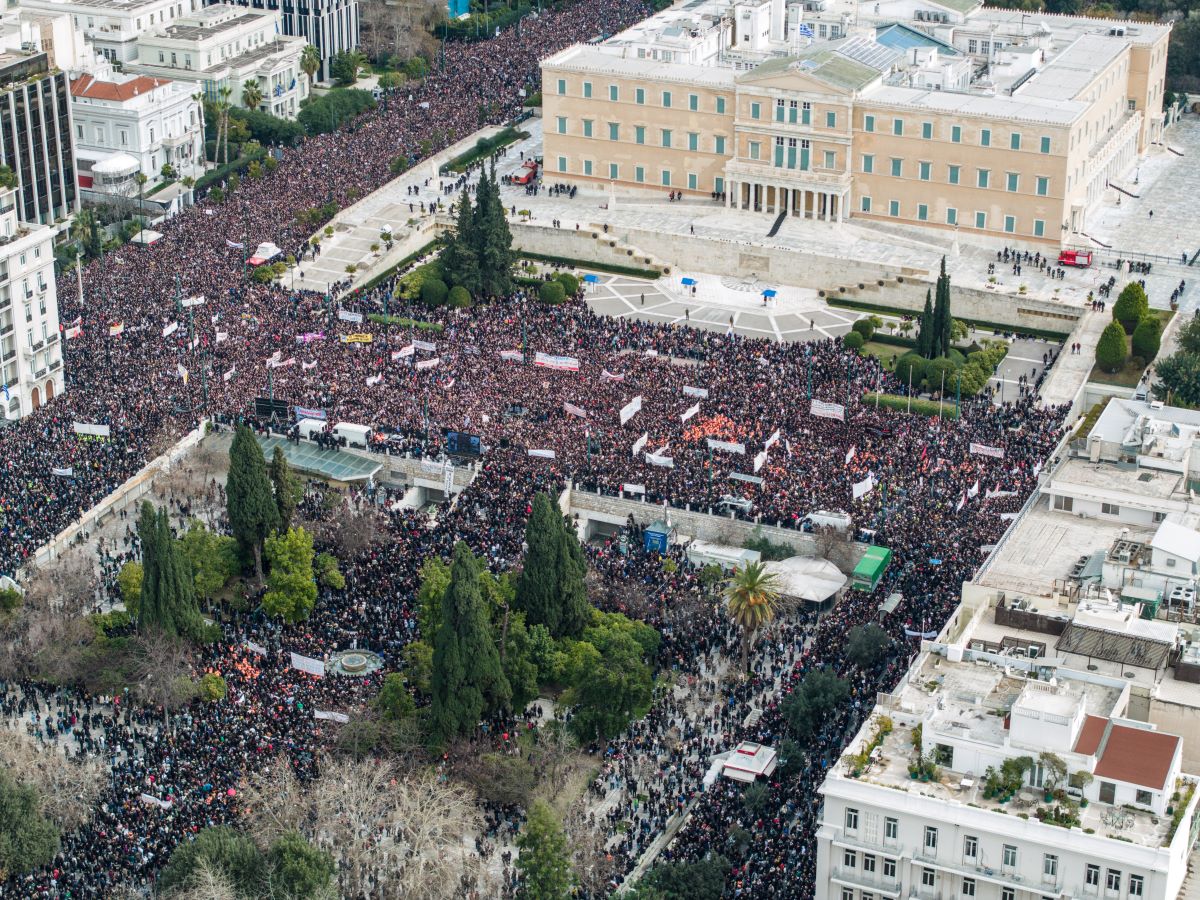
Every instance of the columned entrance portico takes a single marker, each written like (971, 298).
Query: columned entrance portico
(826, 204)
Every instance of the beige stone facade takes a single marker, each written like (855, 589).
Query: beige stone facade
(854, 128)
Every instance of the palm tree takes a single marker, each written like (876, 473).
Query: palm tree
(751, 595)
(310, 62)
(252, 95)
(223, 94)
(199, 98)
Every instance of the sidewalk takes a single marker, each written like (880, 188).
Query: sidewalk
(1070, 372)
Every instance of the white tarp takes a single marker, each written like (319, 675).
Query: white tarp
(331, 716)
(807, 578)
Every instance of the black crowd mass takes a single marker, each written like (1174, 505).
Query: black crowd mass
(930, 503)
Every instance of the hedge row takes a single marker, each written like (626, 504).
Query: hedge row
(392, 270)
(219, 174)
(485, 147)
(901, 404)
(845, 303)
(611, 269)
(380, 319)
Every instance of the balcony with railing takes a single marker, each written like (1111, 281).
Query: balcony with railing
(873, 882)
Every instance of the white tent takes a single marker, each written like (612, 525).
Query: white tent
(265, 253)
(807, 578)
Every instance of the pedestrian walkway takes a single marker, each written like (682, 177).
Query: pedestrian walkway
(1072, 370)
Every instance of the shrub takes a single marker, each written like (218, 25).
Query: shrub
(865, 328)
(1147, 338)
(460, 298)
(1111, 352)
(910, 366)
(854, 340)
(1131, 306)
(552, 292)
(937, 368)
(212, 687)
(433, 292)
(569, 282)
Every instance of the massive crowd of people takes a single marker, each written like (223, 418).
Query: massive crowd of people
(541, 427)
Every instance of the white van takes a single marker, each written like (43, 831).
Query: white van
(834, 518)
(356, 435)
(310, 427)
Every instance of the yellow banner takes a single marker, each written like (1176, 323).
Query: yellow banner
(357, 338)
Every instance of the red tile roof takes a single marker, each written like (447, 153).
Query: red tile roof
(87, 86)
(1090, 735)
(1131, 755)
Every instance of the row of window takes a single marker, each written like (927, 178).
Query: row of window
(1016, 140)
(666, 178)
(666, 98)
(983, 177)
(971, 855)
(981, 218)
(666, 136)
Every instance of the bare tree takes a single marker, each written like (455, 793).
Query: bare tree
(162, 668)
(832, 544)
(67, 789)
(392, 835)
(206, 882)
(403, 28)
(553, 750)
(591, 860)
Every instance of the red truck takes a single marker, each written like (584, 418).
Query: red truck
(1080, 259)
(526, 173)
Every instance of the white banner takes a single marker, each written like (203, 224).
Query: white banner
(222, 336)
(424, 345)
(255, 648)
(305, 366)
(403, 352)
(94, 430)
(923, 635)
(850, 454)
(640, 443)
(151, 800)
(650, 353)
(448, 478)
(543, 454)
(633, 488)
(689, 412)
(759, 460)
(512, 355)
(993, 495)
(985, 450)
(65, 473)
(170, 329)
(374, 380)
(973, 491)
(702, 393)
(664, 462)
(606, 375)
(727, 446)
(308, 664)
(193, 301)
(429, 363)
(561, 363)
(772, 440)
(828, 410)
(631, 409)
(864, 487)
(347, 316)
(331, 716)
(73, 332)
(572, 409)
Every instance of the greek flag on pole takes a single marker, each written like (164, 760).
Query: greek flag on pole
(804, 30)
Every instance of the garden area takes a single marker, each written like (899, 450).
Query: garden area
(1132, 340)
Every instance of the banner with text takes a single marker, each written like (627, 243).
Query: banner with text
(574, 410)
(308, 664)
(701, 393)
(631, 409)
(825, 410)
(560, 363)
(727, 446)
(985, 450)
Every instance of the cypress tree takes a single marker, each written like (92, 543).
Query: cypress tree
(287, 489)
(250, 502)
(572, 591)
(545, 860)
(538, 586)
(946, 321)
(467, 676)
(496, 255)
(148, 610)
(925, 328)
(460, 259)
(166, 578)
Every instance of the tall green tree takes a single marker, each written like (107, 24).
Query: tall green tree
(496, 256)
(611, 681)
(1111, 349)
(286, 487)
(168, 600)
(467, 677)
(551, 589)
(460, 258)
(250, 501)
(544, 863)
(223, 850)
(750, 598)
(1178, 379)
(28, 840)
(291, 583)
(925, 328)
(943, 320)
(814, 702)
(213, 559)
(299, 870)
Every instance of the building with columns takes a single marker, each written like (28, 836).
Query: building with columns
(941, 115)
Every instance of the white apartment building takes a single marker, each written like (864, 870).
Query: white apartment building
(1139, 464)
(227, 47)
(332, 26)
(30, 344)
(113, 26)
(150, 121)
(1101, 809)
(52, 33)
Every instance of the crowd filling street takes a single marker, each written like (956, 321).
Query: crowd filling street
(931, 494)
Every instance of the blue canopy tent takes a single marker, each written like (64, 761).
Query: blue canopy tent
(769, 292)
(688, 282)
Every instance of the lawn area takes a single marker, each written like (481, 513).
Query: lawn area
(885, 353)
(1131, 374)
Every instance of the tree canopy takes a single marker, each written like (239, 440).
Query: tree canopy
(551, 588)
(168, 595)
(291, 584)
(250, 500)
(814, 702)
(478, 255)
(28, 840)
(544, 863)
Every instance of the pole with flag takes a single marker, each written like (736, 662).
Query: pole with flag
(910, 368)
(79, 276)
(808, 356)
(271, 383)
(178, 296)
(957, 394)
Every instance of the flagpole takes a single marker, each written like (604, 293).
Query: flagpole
(79, 275)
(909, 389)
(941, 397)
(957, 394)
